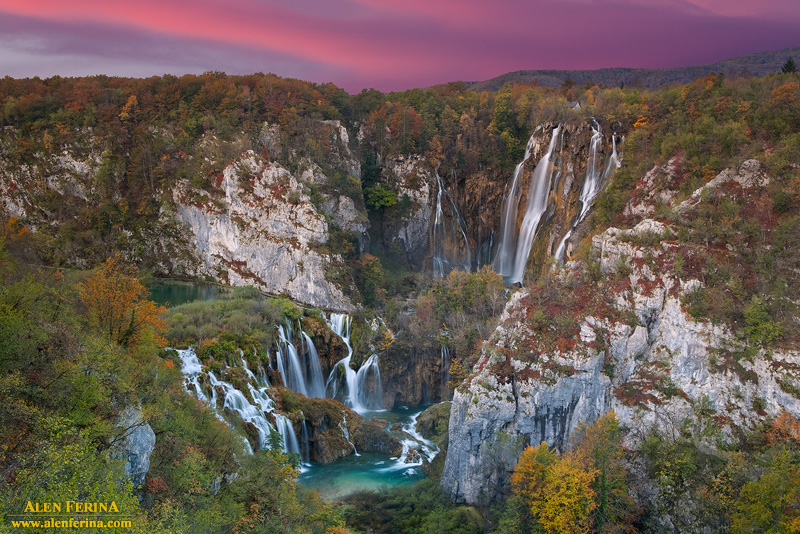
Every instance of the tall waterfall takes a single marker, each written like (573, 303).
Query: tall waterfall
(456, 253)
(358, 396)
(504, 261)
(595, 178)
(538, 194)
(445, 357)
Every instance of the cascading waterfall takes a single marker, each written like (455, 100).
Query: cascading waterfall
(191, 369)
(281, 367)
(286, 430)
(236, 401)
(306, 448)
(442, 264)
(595, 179)
(315, 382)
(538, 194)
(301, 372)
(356, 398)
(445, 354)
(340, 324)
(346, 432)
(368, 384)
(504, 261)
(294, 379)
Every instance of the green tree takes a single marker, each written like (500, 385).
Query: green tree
(789, 67)
(599, 446)
(770, 503)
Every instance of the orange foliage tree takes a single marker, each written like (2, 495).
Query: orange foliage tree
(116, 304)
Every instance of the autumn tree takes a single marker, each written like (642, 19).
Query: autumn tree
(557, 490)
(116, 303)
(569, 498)
(529, 476)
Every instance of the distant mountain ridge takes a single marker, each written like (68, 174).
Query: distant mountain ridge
(757, 64)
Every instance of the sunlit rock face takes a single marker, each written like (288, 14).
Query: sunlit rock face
(265, 233)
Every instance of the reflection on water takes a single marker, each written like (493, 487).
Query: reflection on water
(177, 294)
(369, 471)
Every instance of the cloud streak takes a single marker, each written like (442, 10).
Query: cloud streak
(382, 43)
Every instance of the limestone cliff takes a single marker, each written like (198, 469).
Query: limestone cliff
(264, 233)
(625, 343)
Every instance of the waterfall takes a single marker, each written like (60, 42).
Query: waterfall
(315, 382)
(191, 369)
(445, 354)
(306, 448)
(360, 397)
(370, 395)
(441, 263)
(281, 366)
(237, 402)
(294, 379)
(340, 324)
(286, 430)
(425, 450)
(538, 195)
(595, 179)
(504, 261)
(346, 432)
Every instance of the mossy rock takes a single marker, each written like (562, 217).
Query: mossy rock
(433, 422)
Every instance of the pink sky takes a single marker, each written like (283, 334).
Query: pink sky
(386, 44)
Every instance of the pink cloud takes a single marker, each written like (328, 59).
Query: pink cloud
(420, 42)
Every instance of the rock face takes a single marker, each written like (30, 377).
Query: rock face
(264, 233)
(136, 445)
(411, 375)
(414, 178)
(333, 430)
(647, 360)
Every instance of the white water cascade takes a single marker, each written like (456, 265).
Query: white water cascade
(315, 382)
(346, 432)
(442, 264)
(504, 261)
(595, 179)
(368, 384)
(357, 399)
(538, 195)
(294, 378)
(445, 357)
(236, 401)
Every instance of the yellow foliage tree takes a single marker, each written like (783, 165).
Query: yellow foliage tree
(116, 303)
(569, 497)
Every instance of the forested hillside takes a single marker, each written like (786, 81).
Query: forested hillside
(641, 374)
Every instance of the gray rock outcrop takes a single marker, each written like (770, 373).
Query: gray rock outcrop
(135, 444)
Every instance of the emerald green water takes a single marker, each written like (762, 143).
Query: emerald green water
(370, 471)
(177, 294)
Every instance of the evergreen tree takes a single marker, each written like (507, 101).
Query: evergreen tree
(789, 67)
